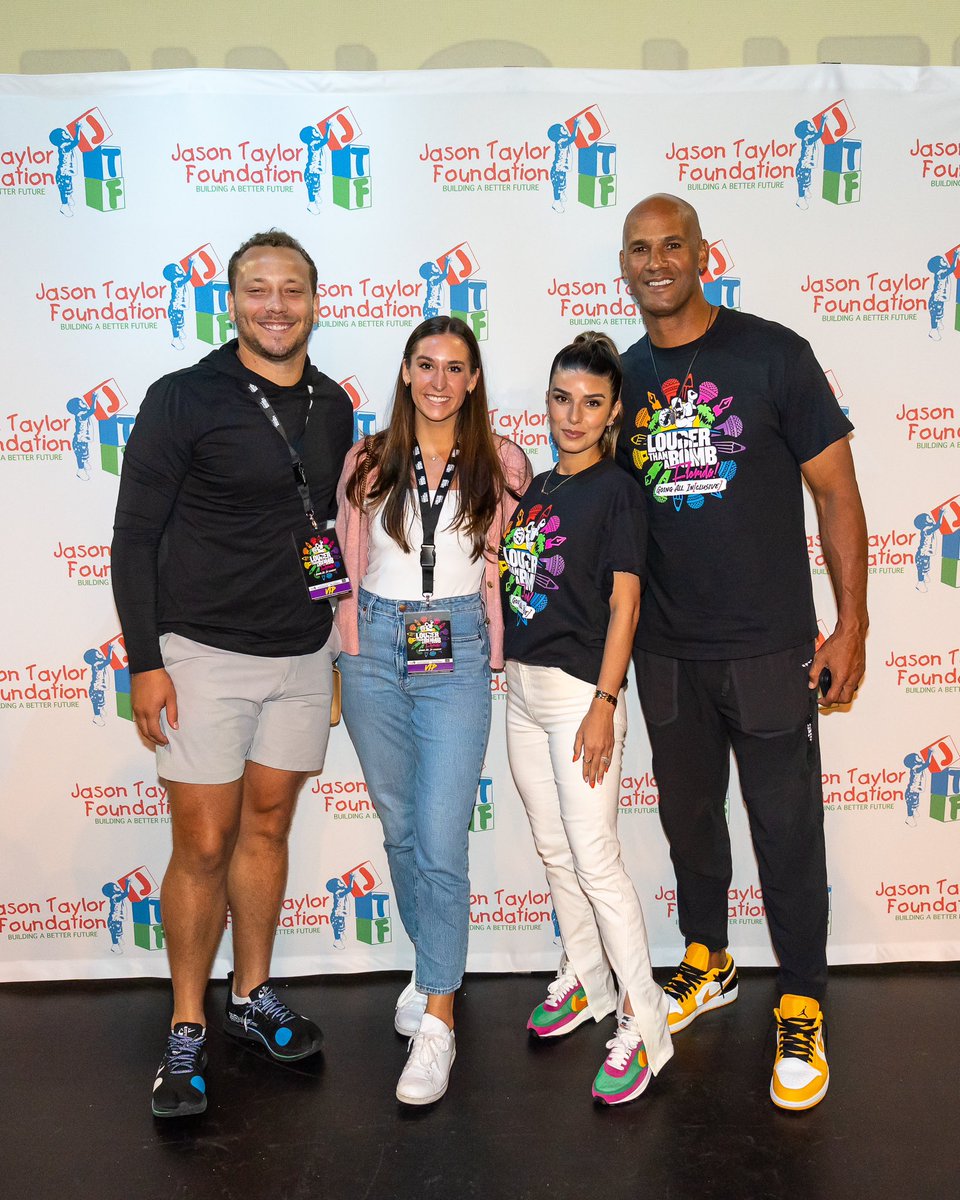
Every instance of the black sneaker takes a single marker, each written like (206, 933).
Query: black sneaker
(267, 1020)
(180, 1089)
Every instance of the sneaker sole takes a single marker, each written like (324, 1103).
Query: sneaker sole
(720, 1000)
(243, 1035)
(188, 1110)
(624, 1099)
(801, 1105)
(419, 1101)
(573, 1022)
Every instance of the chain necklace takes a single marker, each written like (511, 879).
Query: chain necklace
(563, 479)
(696, 350)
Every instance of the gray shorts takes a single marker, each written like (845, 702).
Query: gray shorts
(234, 707)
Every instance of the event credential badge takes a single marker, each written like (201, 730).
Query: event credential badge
(429, 641)
(321, 558)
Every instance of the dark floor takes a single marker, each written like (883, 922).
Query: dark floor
(518, 1121)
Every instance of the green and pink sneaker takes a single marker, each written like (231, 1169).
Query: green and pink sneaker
(564, 1008)
(626, 1072)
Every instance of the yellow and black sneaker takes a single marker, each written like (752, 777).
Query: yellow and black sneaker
(695, 988)
(800, 1072)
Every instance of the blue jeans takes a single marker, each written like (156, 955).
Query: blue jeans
(421, 741)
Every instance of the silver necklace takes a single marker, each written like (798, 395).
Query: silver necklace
(563, 479)
(696, 351)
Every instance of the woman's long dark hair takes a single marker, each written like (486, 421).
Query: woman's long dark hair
(480, 476)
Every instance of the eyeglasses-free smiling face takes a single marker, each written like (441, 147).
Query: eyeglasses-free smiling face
(580, 406)
(273, 305)
(662, 257)
(439, 377)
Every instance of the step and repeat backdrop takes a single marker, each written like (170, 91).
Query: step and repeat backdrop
(831, 200)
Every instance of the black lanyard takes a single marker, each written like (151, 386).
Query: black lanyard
(430, 513)
(299, 471)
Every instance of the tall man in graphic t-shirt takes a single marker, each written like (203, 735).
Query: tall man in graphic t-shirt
(231, 659)
(725, 416)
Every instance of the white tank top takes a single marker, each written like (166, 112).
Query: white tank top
(397, 576)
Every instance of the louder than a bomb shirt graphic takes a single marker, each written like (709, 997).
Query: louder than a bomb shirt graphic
(687, 447)
(531, 572)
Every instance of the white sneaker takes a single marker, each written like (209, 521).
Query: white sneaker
(411, 1006)
(432, 1050)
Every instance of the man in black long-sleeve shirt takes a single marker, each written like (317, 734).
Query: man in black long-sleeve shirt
(230, 658)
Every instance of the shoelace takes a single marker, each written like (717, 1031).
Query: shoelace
(182, 1053)
(797, 1036)
(268, 1004)
(427, 1047)
(560, 988)
(683, 983)
(622, 1045)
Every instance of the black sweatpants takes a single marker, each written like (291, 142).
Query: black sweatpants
(762, 707)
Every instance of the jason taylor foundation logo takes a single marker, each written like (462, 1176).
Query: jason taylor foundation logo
(862, 789)
(336, 136)
(26, 170)
(197, 273)
(467, 295)
(870, 297)
(889, 553)
(108, 665)
(924, 426)
(101, 408)
(925, 672)
(744, 905)
(141, 802)
(941, 523)
(371, 907)
(587, 132)
(54, 917)
(737, 165)
(944, 291)
(139, 890)
(505, 910)
(920, 900)
(364, 418)
(109, 305)
(720, 287)
(939, 763)
(482, 817)
(939, 162)
(344, 799)
(841, 180)
(100, 165)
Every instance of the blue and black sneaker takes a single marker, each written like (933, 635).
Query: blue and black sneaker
(267, 1021)
(179, 1089)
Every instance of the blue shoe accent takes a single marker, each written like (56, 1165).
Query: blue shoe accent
(200, 1084)
(282, 1036)
(179, 1089)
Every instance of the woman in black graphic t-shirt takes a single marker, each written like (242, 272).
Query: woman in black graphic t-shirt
(570, 565)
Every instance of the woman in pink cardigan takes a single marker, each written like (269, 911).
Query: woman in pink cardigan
(422, 508)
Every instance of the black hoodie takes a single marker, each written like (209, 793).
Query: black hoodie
(207, 503)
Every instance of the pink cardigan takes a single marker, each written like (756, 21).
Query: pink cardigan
(353, 535)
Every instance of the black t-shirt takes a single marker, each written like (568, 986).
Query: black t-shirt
(207, 504)
(718, 455)
(557, 561)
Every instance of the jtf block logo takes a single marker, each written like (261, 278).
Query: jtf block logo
(837, 391)
(364, 422)
(842, 176)
(940, 761)
(719, 286)
(482, 818)
(945, 272)
(85, 138)
(198, 270)
(349, 162)
(468, 295)
(596, 160)
(944, 520)
(371, 908)
(101, 407)
(110, 657)
(141, 890)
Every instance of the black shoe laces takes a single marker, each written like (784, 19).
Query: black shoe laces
(683, 983)
(183, 1051)
(797, 1037)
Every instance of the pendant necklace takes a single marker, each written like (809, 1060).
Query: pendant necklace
(696, 350)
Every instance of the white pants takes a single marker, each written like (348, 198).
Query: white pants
(575, 831)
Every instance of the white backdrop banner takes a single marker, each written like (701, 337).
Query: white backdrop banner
(830, 199)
